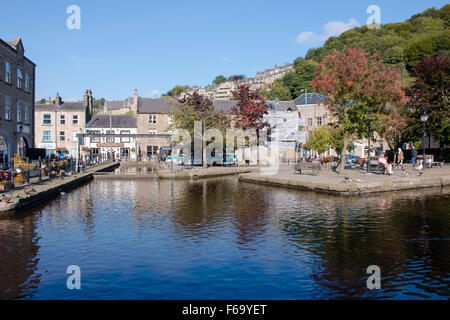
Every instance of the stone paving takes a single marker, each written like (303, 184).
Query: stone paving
(355, 181)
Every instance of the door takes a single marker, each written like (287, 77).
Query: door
(124, 154)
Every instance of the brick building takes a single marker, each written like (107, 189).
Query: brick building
(17, 94)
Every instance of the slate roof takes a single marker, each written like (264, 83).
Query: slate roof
(148, 105)
(115, 104)
(224, 105)
(313, 98)
(117, 121)
(66, 106)
(281, 105)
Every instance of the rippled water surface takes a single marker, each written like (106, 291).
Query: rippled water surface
(220, 239)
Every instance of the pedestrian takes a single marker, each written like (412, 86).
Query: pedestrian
(401, 157)
(414, 156)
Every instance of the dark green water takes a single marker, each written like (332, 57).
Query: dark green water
(220, 239)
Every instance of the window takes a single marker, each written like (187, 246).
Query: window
(7, 72)
(19, 78)
(47, 120)
(27, 82)
(62, 136)
(7, 108)
(26, 114)
(309, 122)
(110, 139)
(62, 119)
(152, 118)
(151, 131)
(125, 139)
(95, 139)
(19, 111)
(152, 150)
(47, 136)
(75, 119)
(319, 121)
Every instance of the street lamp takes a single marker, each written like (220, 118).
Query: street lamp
(424, 118)
(368, 145)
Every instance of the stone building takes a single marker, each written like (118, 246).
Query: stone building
(153, 118)
(269, 76)
(58, 122)
(123, 148)
(313, 110)
(122, 107)
(17, 94)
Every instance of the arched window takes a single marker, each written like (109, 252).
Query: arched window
(22, 146)
(4, 153)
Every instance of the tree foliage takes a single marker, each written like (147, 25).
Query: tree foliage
(219, 79)
(358, 88)
(250, 108)
(430, 92)
(324, 138)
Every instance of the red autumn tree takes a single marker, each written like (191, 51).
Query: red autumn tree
(430, 92)
(250, 108)
(358, 89)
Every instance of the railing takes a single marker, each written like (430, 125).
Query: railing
(47, 169)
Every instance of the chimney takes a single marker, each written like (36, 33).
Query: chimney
(135, 101)
(57, 99)
(86, 100)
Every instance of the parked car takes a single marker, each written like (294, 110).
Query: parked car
(352, 160)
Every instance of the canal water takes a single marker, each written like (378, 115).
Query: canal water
(221, 239)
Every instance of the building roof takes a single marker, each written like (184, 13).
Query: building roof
(224, 105)
(115, 104)
(148, 105)
(115, 121)
(65, 106)
(281, 105)
(310, 98)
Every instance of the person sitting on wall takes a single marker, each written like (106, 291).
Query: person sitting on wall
(382, 160)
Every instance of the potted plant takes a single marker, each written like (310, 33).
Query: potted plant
(6, 185)
(19, 179)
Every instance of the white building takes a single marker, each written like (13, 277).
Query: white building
(285, 122)
(123, 148)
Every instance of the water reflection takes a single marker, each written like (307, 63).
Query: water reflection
(217, 238)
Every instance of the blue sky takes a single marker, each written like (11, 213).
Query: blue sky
(155, 45)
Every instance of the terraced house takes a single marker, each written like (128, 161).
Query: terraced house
(58, 122)
(17, 92)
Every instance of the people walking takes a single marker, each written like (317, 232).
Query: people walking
(414, 156)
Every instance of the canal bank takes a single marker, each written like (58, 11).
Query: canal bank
(198, 173)
(36, 193)
(354, 183)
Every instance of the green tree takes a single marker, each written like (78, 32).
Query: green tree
(219, 79)
(358, 89)
(198, 108)
(277, 91)
(176, 91)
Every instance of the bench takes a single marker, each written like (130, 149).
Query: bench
(314, 167)
(435, 164)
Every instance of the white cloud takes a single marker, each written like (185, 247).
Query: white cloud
(225, 59)
(331, 29)
(335, 28)
(305, 36)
